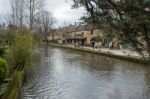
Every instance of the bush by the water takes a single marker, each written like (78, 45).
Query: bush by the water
(3, 70)
(22, 48)
(2, 52)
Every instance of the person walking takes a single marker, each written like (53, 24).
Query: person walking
(99, 45)
(96, 45)
(110, 45)
(93, 44)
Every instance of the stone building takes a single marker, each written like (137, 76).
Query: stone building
(73, 34)
(83, 36)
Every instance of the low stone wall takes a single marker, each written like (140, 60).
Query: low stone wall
(128, 58)
(13, 86)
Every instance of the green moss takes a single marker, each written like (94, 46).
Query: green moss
(12, 88)
(15, 86)
(2, 88)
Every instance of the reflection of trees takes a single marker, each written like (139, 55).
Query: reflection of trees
(46, 51)
(93, 61)
(99, 62)
(147, 79)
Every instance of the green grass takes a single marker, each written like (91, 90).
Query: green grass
(15, 85)
(11, 90)
(3, 87)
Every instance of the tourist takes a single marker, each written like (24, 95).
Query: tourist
(99, 45)
(93, 44)
(96, 45)
(78, 44)
(110, 45)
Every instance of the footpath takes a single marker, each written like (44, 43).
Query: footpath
(116, 53)
(123, 52)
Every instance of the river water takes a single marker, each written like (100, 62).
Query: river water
(64, 74)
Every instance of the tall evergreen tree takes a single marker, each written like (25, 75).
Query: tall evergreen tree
(129, 17)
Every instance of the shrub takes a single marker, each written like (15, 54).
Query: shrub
(2, 52)
(22, 48)
(3, 70)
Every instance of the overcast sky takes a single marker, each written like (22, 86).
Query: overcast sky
(60, 9)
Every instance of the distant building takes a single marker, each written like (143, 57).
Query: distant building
(72, 34)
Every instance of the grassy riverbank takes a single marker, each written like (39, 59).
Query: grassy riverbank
(12, 87)
(127, 58)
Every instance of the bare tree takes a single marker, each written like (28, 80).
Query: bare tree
(17, 12)
(21, 9)
(44, 23)
(33, 7)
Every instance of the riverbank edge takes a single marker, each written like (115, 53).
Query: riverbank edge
(127, 58)
(12, 87)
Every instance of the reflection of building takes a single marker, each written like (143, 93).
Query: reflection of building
(73, 34)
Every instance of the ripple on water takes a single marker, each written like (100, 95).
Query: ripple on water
(64, 74)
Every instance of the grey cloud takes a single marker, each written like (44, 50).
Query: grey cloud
(59, 8)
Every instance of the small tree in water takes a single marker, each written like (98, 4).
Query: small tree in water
(22, 48)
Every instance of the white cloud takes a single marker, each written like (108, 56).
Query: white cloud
(59, 8)
(4, 6)
(62, 12)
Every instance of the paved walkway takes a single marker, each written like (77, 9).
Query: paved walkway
(123, 52)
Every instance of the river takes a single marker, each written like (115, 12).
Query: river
(65, 74)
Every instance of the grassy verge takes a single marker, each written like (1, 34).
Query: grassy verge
(11, 90)
(127, 58)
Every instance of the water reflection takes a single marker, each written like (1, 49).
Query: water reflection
(65, 74)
